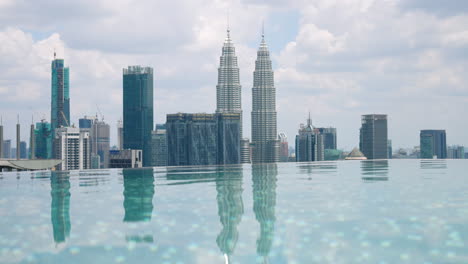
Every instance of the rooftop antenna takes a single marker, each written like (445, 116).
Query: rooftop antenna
(309, 120)
(228, 28)
(55, 54)
(263, 29)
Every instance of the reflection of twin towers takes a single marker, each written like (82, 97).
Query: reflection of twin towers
(138, 201)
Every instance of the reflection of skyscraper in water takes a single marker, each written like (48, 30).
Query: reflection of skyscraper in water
(60, 207)
(264, 179)
(374, 170)
(138, 194)
(230, 208)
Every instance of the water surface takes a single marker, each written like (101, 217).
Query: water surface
(397, 211)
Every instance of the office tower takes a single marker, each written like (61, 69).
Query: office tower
(13, 153)
(329, 137)
(7, 149)
(245, 150)
(1, 138)
(309, 143)
(389, 148)
(159, 141)
(18, 140)
(125, 158)
(100, 142)
(433, 144)
(191, 139)
(119, 134)
(85, 122)
(229, 137)
(60, 103)
(43, 140)
(228, 90)
(73, 147)
(138, 110)
(32, 143)
(284, 148)
(265, 146)
(373, 136)
(23, 150)
(456, 152)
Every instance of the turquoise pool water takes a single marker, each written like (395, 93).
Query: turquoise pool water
(397, 211)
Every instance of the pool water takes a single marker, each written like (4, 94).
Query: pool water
(396, 211)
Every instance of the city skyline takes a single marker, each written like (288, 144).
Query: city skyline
(95, 66)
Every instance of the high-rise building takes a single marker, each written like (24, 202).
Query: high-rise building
(329, 137)
(85, 122)
(43, 140)
(456, 152)
(138, 110)
(245, 151)
(228, 90)
(433, 144)
(100, 142)
(23, 150)
(373, 136)
(284, 148)
(265, 146)
(389, 148)
(73, 147)
(120, 134)
(60, 101)
(159, 141)
(309, 143)
(191, 139)
(1, 139)
(7, 149)
(229, 137)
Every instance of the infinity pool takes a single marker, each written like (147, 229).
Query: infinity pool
(397, 211)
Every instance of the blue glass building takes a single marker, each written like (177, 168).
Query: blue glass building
(138, 110)
(60, 103)
(43, 140)
(433, 143)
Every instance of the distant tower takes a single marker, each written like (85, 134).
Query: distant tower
(138, 110)
(265, 146)
(1, 137)
(60, 101)
(120, 134)
(228, 90)
(433, 144)
(18, 140)
(373, 136)
(309, 143)
(32, 142)
(284, 148)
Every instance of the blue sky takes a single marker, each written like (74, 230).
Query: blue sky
(338, 59)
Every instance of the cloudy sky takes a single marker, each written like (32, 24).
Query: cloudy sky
(338, 59)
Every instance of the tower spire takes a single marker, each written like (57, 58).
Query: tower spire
(309, 120)
(263, 29)
(55, 54)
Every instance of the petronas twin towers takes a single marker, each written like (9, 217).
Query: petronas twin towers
(265, 146)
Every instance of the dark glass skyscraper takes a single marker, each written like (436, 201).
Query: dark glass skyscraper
(433, 143)
(329, 137)
(373, 136)
(203, 139)
(309, 143)
(43, 140)
(138, 110)
(60, 103)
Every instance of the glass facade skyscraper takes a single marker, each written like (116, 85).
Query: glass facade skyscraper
(309, 143)
(138, 110)
(374, 137)
(203, 139)
(265, 145)
(43, 140)
(329, 137)
(433, 143)
(60, 103)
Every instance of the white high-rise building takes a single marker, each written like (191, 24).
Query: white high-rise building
(265, 145)
(228, 90)
(73, 148)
